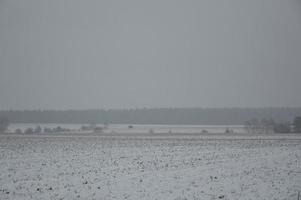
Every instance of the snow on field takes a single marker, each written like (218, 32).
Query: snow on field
(103, 167)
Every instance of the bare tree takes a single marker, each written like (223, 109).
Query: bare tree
(4, 122)
(18, 131)
(38, 129)
(260, 126)
(29, 131)
(282, 127)
(297, 124)
(267, 125)
(252, 126)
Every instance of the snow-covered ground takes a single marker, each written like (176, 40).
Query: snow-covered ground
(150, 167)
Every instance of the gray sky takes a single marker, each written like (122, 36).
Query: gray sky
(66, 54)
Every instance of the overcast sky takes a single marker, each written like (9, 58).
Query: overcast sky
(75, 54)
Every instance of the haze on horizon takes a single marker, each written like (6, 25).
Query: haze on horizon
(73, 54)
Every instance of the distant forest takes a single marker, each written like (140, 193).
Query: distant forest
(191, 116)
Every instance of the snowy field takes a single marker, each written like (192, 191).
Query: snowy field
(150, 167)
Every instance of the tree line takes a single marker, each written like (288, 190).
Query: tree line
(252, 126)
(270, 126)
(191, 116)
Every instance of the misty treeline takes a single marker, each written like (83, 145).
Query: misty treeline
(271, 126)
(192, 116)
(38, 129)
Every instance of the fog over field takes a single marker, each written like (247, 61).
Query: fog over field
(158, 99)
(75, 54)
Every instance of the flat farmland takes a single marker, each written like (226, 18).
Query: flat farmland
(175, 167)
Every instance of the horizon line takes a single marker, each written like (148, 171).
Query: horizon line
(150, 108)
